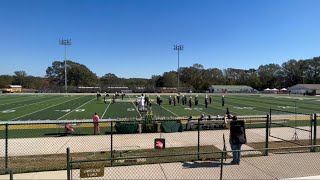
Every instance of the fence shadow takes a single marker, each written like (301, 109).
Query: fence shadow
(201, 164)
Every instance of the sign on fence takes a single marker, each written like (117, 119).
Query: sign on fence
(87, 172)
(159, 143)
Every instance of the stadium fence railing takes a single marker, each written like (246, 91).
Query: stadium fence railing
(124, 142)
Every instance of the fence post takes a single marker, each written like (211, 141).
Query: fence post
(11, 174)
(221, 164)
(6, 146)
(68, 164)
(111, 143)
(314, 132)
(267, 136)
(198, 138)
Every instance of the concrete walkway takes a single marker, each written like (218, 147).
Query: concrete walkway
(282, 166)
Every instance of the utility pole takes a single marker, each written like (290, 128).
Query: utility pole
(178, 48)
(65, 43)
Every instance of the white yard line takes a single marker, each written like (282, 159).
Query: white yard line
(43, 109)
(76, 108)
(134, 106)
(105, 110)
(36, 103)
(16, 101)
(169, 111)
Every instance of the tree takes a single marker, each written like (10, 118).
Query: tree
(5, 80)
(20, 78)
(109, 79)
(170, 79)
(268, 75)
(77, 74)
(292, 72)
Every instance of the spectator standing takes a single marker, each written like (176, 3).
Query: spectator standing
(237, 138)
(96, 119)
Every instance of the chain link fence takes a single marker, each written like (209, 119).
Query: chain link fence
(261, 167)
(123, 144)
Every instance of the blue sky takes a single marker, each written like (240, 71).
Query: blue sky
(135, 38)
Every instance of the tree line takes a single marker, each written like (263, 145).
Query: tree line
(195, 77)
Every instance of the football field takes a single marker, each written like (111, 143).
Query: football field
(15, 107)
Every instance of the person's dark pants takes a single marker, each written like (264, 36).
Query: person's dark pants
(236, 154)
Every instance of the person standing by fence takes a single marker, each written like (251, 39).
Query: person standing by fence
(96, 127)
(237, 138)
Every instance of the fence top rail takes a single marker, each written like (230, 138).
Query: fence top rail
(289, 112)
(202, 153)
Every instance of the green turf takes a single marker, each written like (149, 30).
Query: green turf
(70, 107)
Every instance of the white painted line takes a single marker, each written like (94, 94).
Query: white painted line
(105, 110)
(43, 109)
(36, 103)
(76, 108)
(18, 100)
(169, 111)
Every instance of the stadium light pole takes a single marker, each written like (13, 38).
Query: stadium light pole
(65, 43)
(178, 48)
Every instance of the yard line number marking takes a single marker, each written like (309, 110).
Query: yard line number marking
(75, 108)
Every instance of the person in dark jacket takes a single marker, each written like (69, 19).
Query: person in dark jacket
(237, 138)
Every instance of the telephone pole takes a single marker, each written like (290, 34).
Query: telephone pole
(65, 43)
(178, 48)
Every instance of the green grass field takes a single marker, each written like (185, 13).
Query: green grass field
(76, 107)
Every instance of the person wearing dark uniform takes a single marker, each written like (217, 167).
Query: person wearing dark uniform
(196, 100)
(158, 100)
(183, 100)
(122, 95)
(228, 114)
(146, 99)
(190, 102)
(222, 100)
(113, 99)
(206, 102)
(178, 98)
(210, 99)
(174, 101)
(98, 96)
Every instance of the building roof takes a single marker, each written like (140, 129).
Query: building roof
(15, 86)
(230, 87)
(305, 86)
